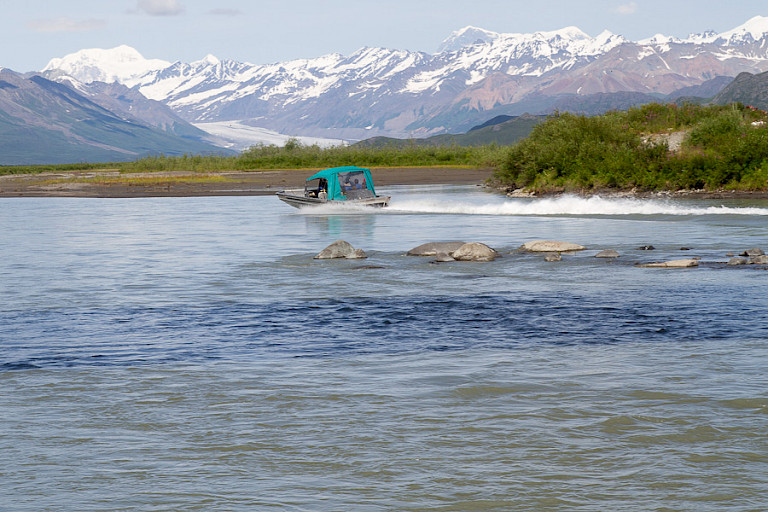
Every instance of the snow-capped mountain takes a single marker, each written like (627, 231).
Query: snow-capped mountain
(121, 64)
(48, 122)
(476, 74)
(467, 36)
(753, 30)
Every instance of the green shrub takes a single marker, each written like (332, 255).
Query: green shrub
(570, 152)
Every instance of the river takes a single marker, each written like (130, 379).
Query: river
(183, 354)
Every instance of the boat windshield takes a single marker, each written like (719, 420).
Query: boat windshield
(353, 185)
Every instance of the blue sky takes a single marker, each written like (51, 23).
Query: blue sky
(265, 31)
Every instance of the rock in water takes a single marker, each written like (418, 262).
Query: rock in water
(553, 256)
(340, 249)
(686, 263)
(754, 260)
(751, 253)
(435, 248)
(608, 253)
(474, 251)
(551, 246)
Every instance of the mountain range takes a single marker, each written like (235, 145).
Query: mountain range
(44, 121)
(476, 75)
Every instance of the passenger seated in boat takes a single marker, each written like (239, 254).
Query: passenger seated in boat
(320, 191)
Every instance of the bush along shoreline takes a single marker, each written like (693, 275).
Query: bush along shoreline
(294, 155)
(653, 148)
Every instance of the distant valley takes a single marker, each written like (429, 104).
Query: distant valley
(120, 105)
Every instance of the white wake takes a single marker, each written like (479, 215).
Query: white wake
(568, 205)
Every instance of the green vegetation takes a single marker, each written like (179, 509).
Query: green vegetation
(649, 148)
(141, 181)
(6, 170)
(297, 156)
(720, 149)
(294, 155)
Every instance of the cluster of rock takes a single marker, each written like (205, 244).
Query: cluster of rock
(442, 251)
(754, 256)
(455, 251)
(553, 250)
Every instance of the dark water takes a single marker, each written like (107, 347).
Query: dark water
(189, 354)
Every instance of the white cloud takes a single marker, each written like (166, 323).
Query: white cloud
(65, 24)
(160, 7)
(626, 9)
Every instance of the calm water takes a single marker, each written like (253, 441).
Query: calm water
(189, 354)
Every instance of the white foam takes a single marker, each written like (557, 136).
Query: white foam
(336, 209)
(569, 205)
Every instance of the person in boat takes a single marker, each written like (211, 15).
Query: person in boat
(321, 192)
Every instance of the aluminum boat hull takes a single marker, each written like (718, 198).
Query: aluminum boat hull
(300, 201)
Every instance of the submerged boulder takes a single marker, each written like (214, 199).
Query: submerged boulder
(435, 248)
(474, 251)
(608, 253)
(443, 257)
(553, 256)
(340, 249)
(751, 253)
(685, 263)
(754, 260)
(551, 246)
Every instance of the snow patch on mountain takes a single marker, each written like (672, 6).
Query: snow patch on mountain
(754, 29)
(120, 64)
(659, 39)
(569, 39)
(750, 31)
(392, 92)
(466, 36)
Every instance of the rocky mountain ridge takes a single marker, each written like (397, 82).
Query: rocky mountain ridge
(378, 91)
(47, 122)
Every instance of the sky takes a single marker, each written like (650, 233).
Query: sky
(267, 31)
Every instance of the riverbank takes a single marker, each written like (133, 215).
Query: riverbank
(113, 183)
(641, 194)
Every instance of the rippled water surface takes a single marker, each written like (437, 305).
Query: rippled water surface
(190, 354)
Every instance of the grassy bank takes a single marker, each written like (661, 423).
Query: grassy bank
(650, 148)
(297, 156)
(720, 147)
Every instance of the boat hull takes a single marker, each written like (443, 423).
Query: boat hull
(298, 201)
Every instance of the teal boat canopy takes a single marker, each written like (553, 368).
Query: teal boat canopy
(344, 183)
